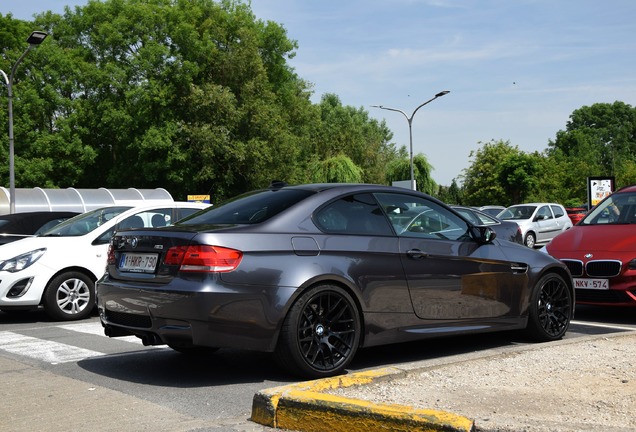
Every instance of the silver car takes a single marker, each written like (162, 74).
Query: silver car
(539, 222)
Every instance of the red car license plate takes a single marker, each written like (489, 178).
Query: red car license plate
(138, 262)
(598, 284)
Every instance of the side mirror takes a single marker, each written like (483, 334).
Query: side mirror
(483, 234)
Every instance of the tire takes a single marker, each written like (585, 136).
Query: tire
(69, 296)
(320, 334)
(530, 240)
(550, 309)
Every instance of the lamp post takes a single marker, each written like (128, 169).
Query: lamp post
(410, 120)
(34, 39)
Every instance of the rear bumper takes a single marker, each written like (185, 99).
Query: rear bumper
(244, 317)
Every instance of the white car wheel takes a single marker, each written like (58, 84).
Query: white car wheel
(69, 296)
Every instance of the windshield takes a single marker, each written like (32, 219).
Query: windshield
(249, 208)
(84, 223)
(616, 209)
(517, 212)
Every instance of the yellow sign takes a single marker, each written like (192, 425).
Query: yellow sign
(199, 198)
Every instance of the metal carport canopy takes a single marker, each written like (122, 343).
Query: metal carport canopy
(78, 200)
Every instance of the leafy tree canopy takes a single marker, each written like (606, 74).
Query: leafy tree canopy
(191, 96)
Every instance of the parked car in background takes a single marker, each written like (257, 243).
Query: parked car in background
(576, 213)
(507, 230)
(492, 210)
(16, 226)
(314, 272)
(58, 268)
(600, 251)
(539, 222)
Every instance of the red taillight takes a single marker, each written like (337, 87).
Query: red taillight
(203, 258)
(110, 257)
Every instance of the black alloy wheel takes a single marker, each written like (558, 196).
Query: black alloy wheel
(550, 309)
(321, 333)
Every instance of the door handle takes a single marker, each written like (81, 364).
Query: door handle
(416, 254)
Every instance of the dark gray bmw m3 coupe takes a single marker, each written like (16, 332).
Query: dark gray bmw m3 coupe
(314, 272)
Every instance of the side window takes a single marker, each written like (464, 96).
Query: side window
(545, 212)
(558, 211)
(470, 216)
(354, 214)
(418, 217)
(183, 212)
(105, 237)
(147, 219)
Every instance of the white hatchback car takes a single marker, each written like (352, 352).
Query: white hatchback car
(58, 268)
(539, 222)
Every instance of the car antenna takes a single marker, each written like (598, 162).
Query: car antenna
(277, 184)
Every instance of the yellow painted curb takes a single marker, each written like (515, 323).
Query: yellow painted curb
(302, 407)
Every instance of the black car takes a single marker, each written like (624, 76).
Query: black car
(508, 230)
(314, 272)
(16, 226)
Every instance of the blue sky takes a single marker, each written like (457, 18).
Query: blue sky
(516, 70)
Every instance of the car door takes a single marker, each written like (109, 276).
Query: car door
(358, 242)
(547, 225)
(449, 275)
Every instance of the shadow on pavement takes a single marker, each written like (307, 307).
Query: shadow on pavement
(164, 367)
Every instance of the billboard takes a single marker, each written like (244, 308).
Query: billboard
(598, 188)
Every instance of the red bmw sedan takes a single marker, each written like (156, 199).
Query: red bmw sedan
(600, 251)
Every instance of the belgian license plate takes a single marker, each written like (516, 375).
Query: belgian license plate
(597, 284)
(138, 262)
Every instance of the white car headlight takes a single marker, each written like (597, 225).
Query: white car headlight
(21, 262)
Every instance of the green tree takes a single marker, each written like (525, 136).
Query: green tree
(338, 169)
(47, 151)
(481, 180)
(192, 96)
(350, 131)
(452, 194)
(400, 170)
(599, 140)
(517, 175)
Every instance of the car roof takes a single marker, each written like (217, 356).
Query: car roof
(29, 222)
(631, 188)
(158, 204)
(535, 204)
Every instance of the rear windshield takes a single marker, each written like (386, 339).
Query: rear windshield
(249, 208)
(85, 222)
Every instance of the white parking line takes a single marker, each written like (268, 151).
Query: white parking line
(95, 328)
(592, 324)
(40, 349)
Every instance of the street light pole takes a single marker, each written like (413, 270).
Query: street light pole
(34, 39)
(410, 121)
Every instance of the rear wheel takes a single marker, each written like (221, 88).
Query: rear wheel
(69, 296)
(320, 334)
(530, 240)
(550, 309)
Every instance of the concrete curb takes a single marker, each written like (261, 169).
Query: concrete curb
(304, 407)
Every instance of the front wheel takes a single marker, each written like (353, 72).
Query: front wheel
(550, 309)
(69, 296)
(320, 334)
